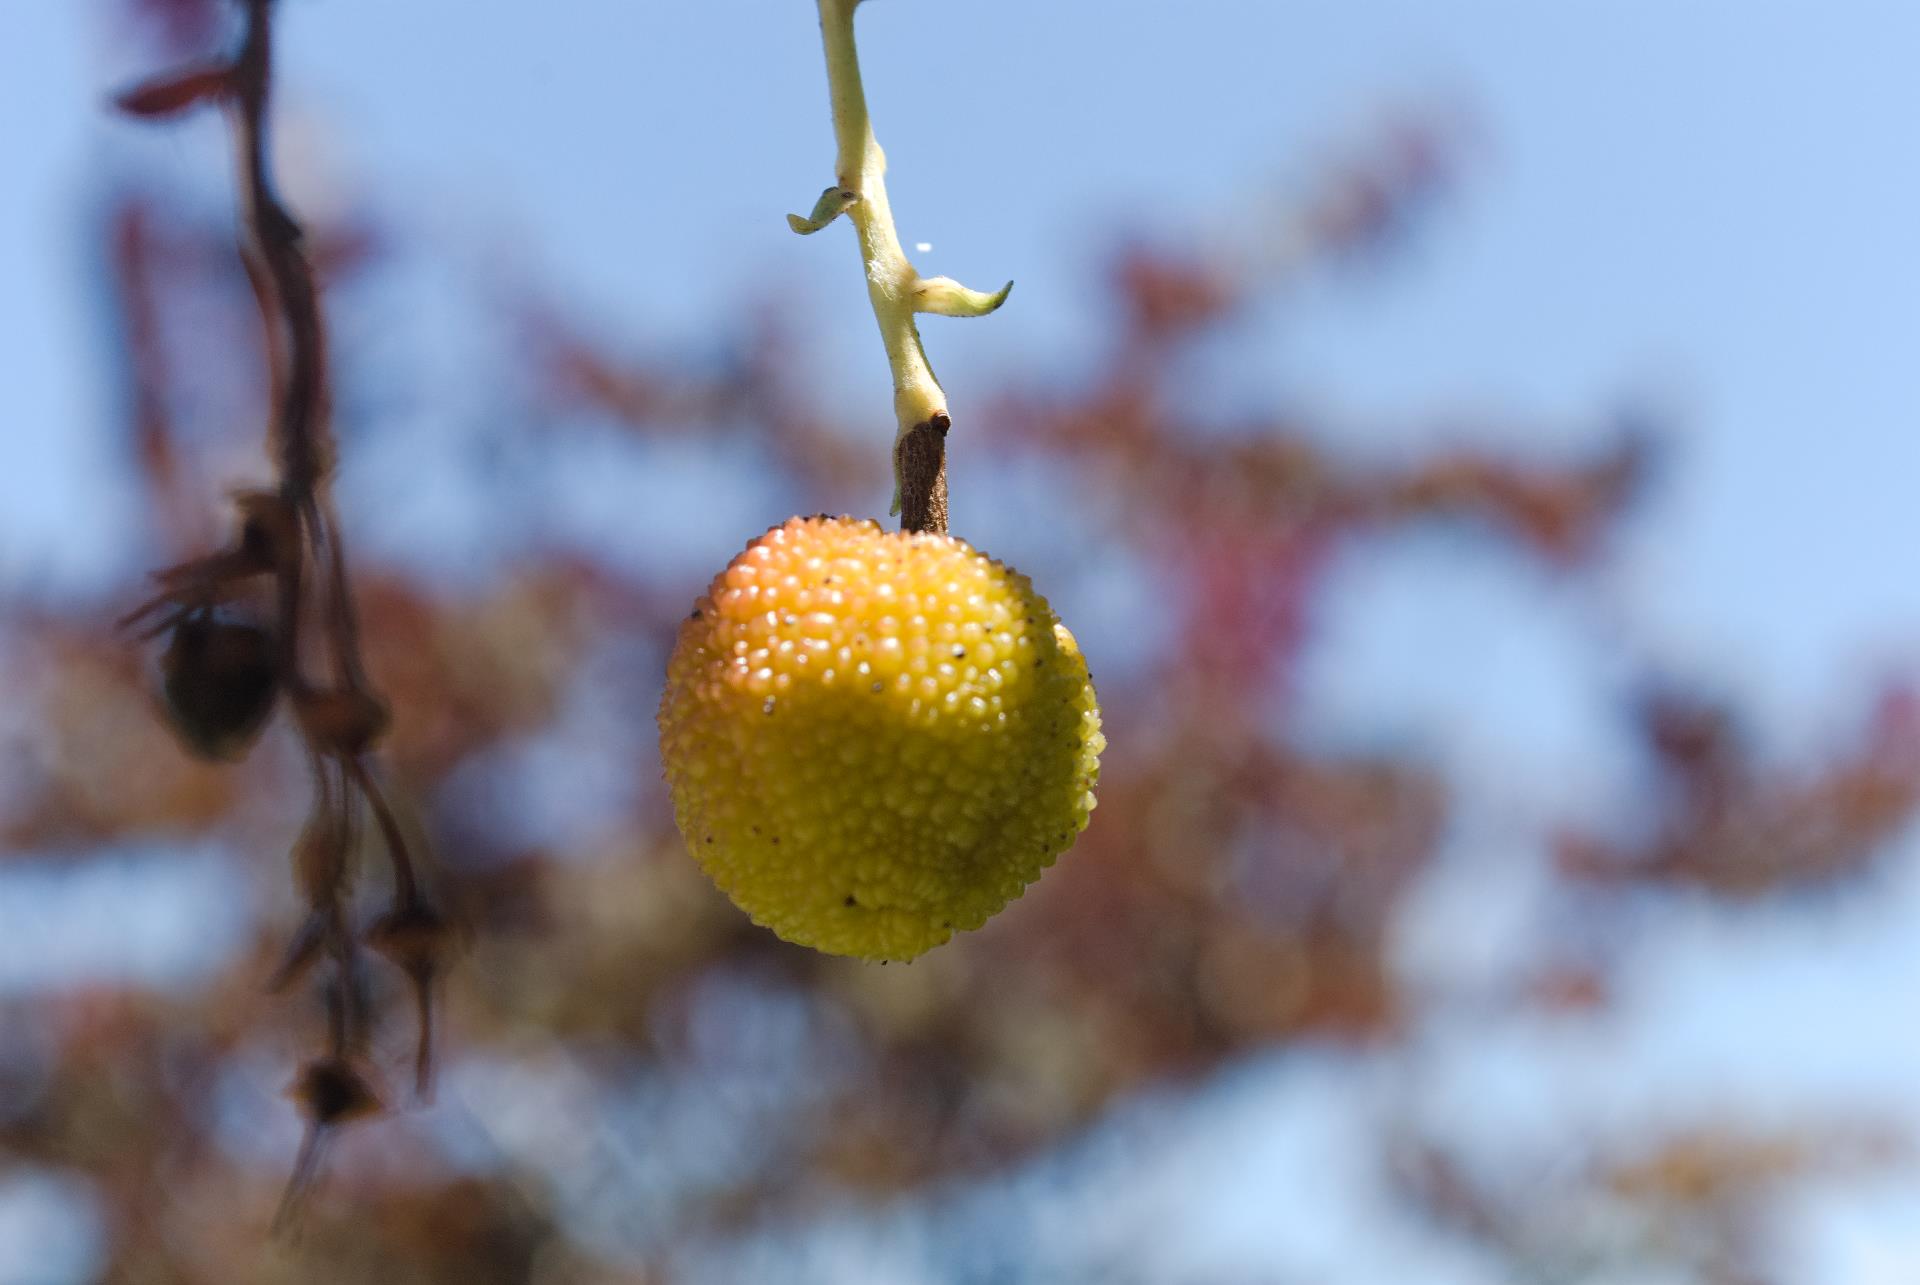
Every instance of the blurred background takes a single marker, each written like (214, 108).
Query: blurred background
(1473, 444)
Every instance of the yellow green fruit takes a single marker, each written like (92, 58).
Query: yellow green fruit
(876, 739)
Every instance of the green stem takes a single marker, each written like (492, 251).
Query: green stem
(861, 168)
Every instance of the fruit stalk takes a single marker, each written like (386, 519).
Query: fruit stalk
(895, 288)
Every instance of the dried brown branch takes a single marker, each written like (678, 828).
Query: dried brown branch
(292, 535)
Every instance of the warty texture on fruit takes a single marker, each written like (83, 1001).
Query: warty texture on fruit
(876, 739)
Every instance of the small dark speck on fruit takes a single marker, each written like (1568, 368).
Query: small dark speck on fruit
(879, 686)
(776, 840)
(850, 901)
(695, 615)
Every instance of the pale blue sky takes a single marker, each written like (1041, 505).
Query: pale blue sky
(1706, 206)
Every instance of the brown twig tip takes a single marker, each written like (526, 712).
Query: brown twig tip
(175, 92)
(921, 457)
(416, 938)
(331, 1092)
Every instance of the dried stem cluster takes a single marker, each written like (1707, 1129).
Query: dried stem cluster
(226, 665)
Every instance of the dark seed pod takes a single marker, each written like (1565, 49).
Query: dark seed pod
(331, 1091)
(219, 679)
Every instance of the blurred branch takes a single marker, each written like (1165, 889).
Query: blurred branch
(283, 278)
(291, 536)
(1741, 829)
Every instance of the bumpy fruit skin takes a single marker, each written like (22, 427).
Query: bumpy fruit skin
(876, 739)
